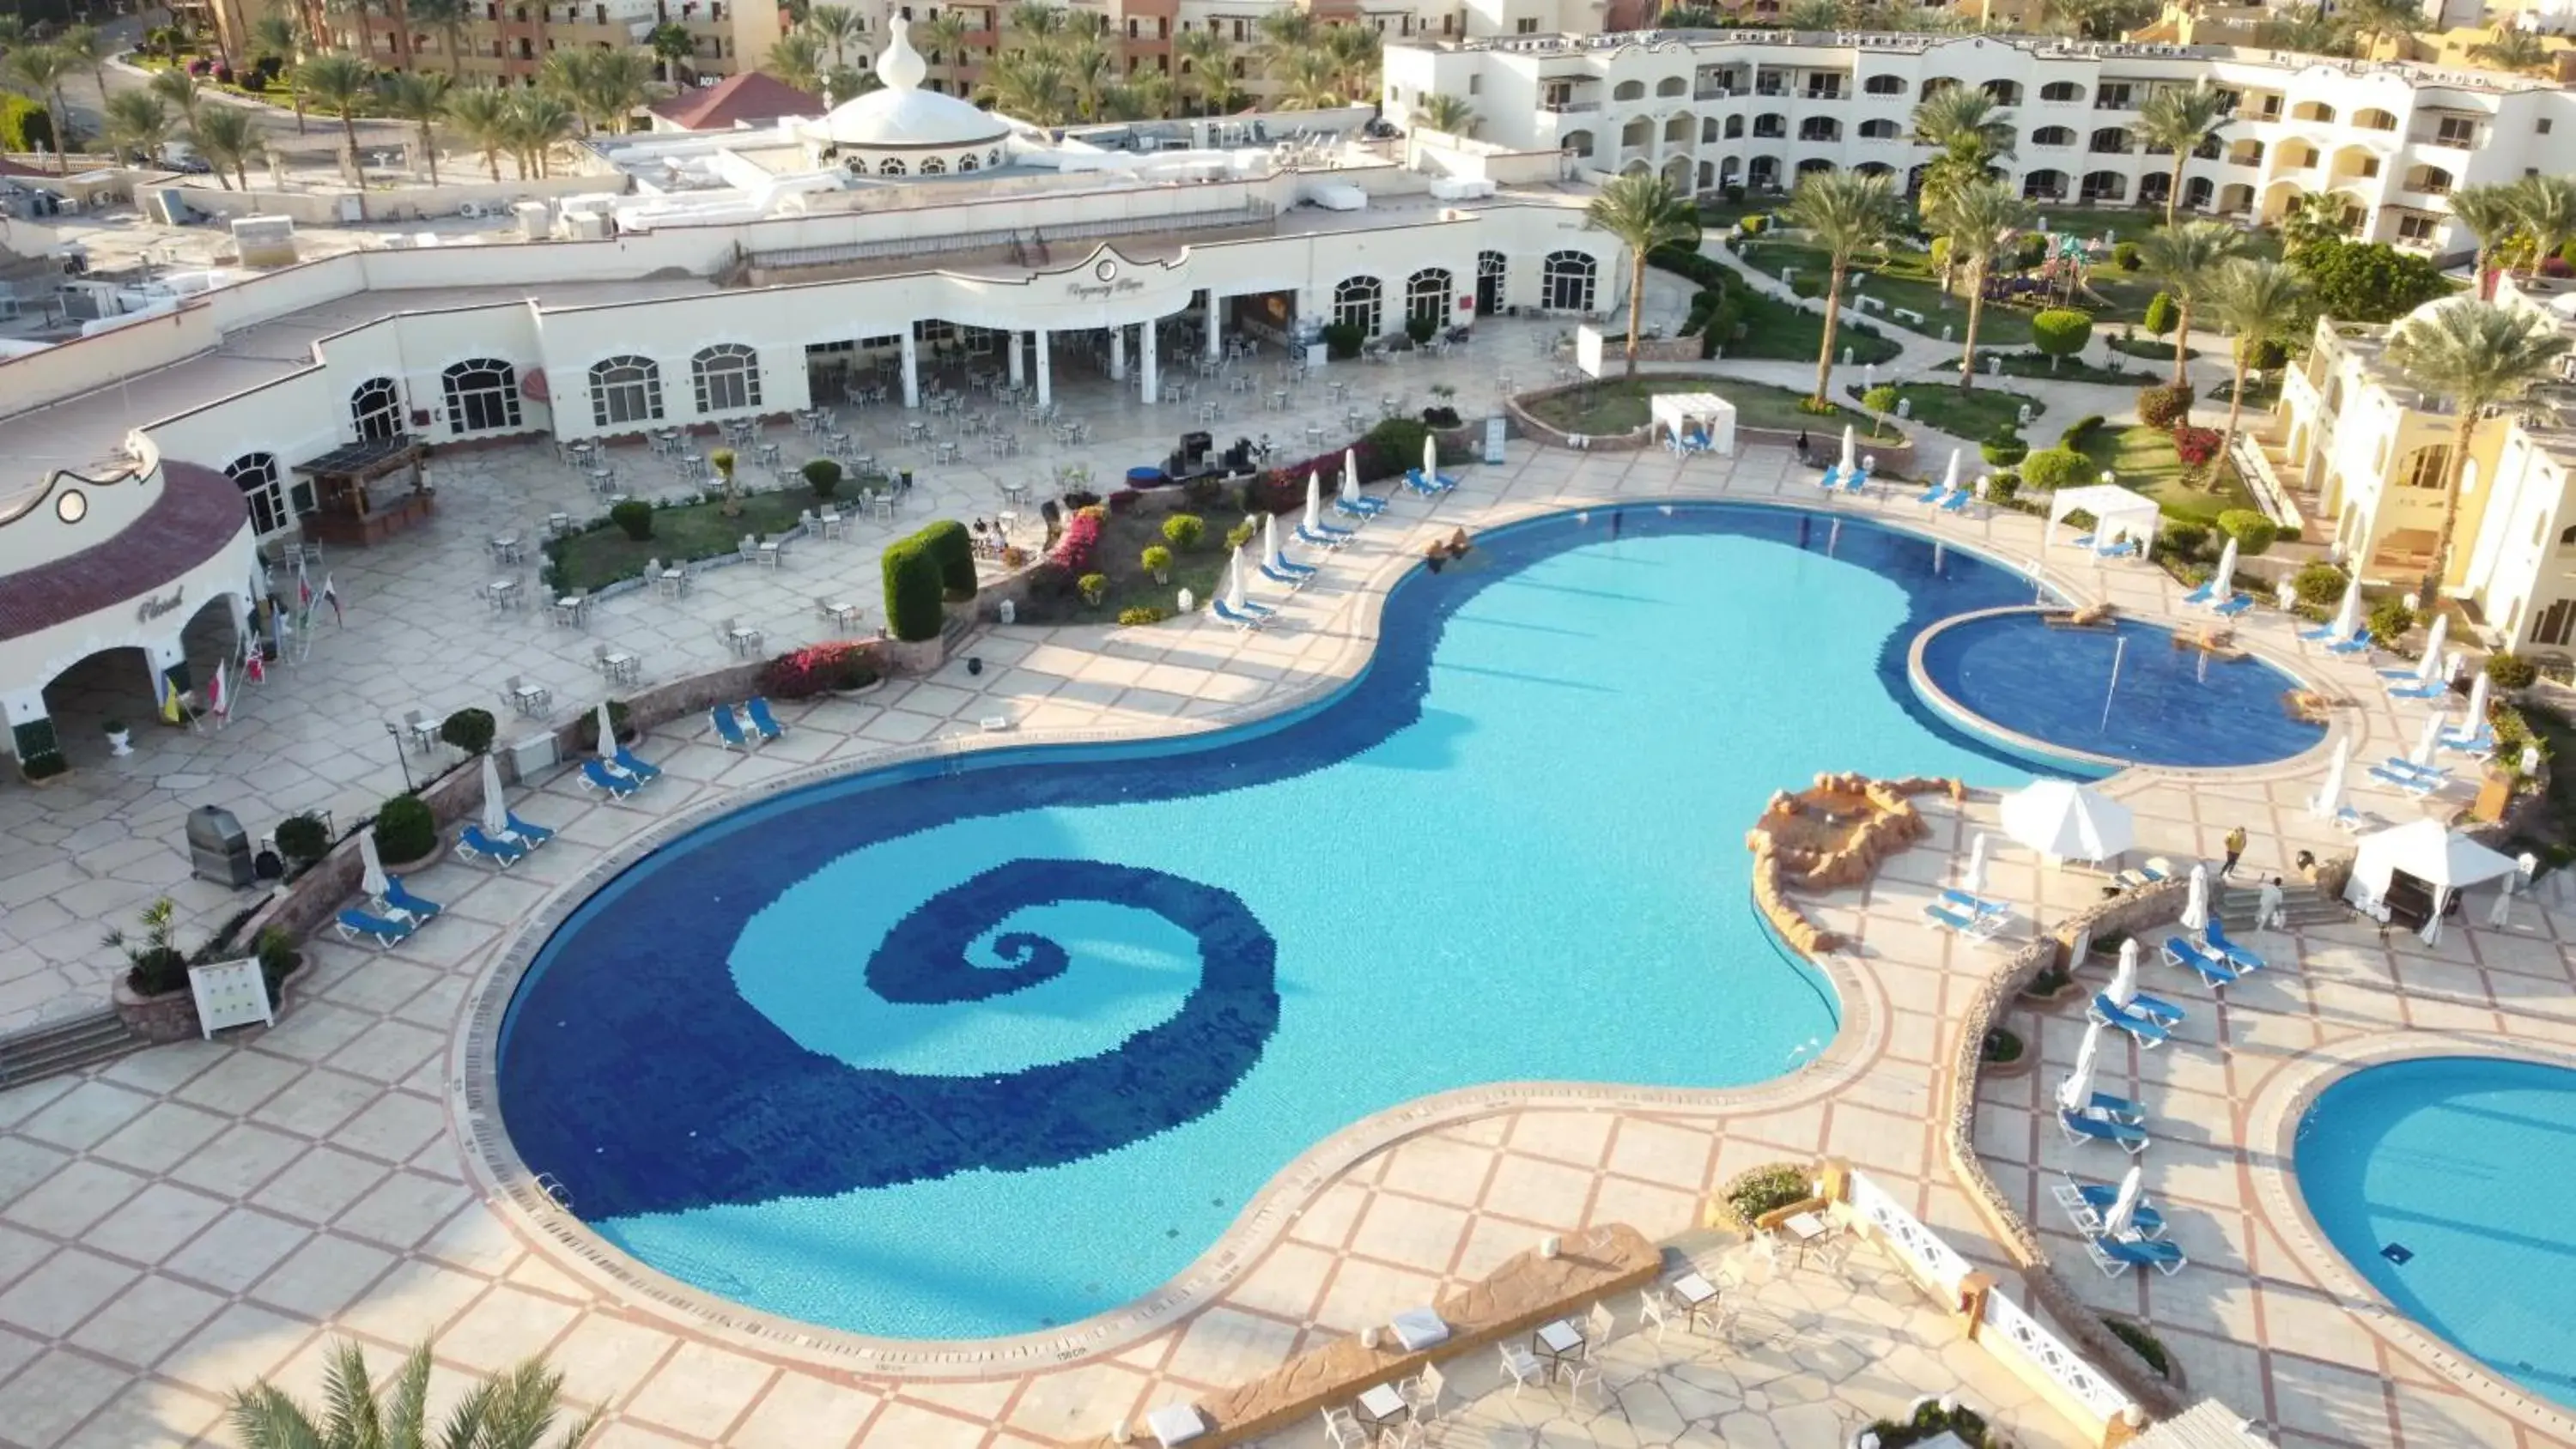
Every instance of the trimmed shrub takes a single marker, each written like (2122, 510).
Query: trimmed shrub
(24, 124)
(2080, 431)
(2124, 255)
(2164, 314)
(1143, 614)
(2003, 448)
(634, 518)
(1241, 534)
(2269, 355)
(2320, 585)
(1940, 256)
(470, 730)
(154, 963)
(823, 475)
(1093, 588)
(1733, 191)
(1760, 1190)
(1753, 225)
(585, 731)
(2053, 468)
(1420, 329)
(2252, 531)
(1081, 538)
(2003, 487)
(2195, 448)
(405, 831)
(2389, 620)
(912, 590)
(2161, 407)
(1183, 531)
(1157, 560)
(1880, 399)
(953, 549)
(2185, 539)
(2030, 251)
(2061, 331)
(2511, 671)
(303, 839)
(1342, 341)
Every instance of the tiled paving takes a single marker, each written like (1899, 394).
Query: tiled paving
(198, 1215)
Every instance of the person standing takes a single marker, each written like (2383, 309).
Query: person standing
(2267, 907)
(2235, 850)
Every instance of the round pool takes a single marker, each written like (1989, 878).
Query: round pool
(2126, 692)
(2447, 1182)
(982, 1046)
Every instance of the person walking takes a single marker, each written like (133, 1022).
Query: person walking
(2235, 849)
(2267, 907)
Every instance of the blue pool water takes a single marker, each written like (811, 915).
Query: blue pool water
(2446, 1182)
(967, 1049)
(2171, 706)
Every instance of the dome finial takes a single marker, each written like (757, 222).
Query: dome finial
(900, 67)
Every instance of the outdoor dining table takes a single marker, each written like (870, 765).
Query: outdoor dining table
(916, 429)
(505, 547)
(1015, 494)
(1279, 399)
(1555, 1341)
(769, 554)
(571, 609)
(1341, 391)
(833, 524)
(841, 612)
(768, 453)
(1382, 1408)
(620, 666)
(1697, 1296)
(946, 450)
(672, 583)
(602, 479)
(1805, 1231)
(503, 594)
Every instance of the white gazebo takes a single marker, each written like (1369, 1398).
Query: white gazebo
(901, 130)
(2414, 870)
(1678, 415)
(2117, 511)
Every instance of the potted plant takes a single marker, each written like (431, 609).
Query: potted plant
(1444, 413)
(155, 965)
(1158, 562)
(120, 740)
(1094, 587)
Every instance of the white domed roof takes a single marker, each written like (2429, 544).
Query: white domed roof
(903, 115)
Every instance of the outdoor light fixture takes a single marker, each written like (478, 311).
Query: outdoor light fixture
(394, 732)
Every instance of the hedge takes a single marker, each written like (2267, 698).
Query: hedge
(2061, 331)
(2080, 431)
(405, 830)
(2164, 314)
(24, 124)
(912, 590)
(2055, 468)
(2253, 532)
(947, 543)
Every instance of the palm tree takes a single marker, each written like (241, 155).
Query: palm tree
(230, 140)
(1308, 80)
(614, 84)
(275, 35)
(2373, 21)
(2186, 261)
(137, 124)
(448, 18)
(845, 81)
(1036, 23)
(340, 84)
(2307, 29)
(1356, 52)
(1089, 72)
(41, 69)
(835, 26)
(2546, 207)
(90, 50)
(2475, 355)
(181, 91)
(420, 98)
(538, 122)
(1284, 33)
(1846, 213)
(1644, 212)
(2258, 300)
(1450, 115)
(2181, 120)
(797, 59)
(2314, 217)
(511, 1412)
(1970, 131)
(1029, 84)
(2492, 211)
(942, 39)
(2511, 49)
(1980, 219)
(1199, 57)
(481, 114)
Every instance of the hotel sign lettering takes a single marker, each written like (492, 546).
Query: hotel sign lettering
(1103, 291)
(151, 609)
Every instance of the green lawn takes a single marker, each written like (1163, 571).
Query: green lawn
(2149, 348)
(1970, 415)
(1617, 404)
(2143, 458)
(699, 530)
(2034, 364)
(1903, 280)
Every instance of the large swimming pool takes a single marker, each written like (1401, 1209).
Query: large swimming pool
(2446, 1182)
(975, 1049)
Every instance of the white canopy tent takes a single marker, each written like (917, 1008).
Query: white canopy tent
(2117, 511)
(1677, 414)
(2417, 861)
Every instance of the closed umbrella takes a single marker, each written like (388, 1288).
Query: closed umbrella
(2124, 981)
(1314, 503)
(2329, 797)
(607, 748)
(1234, 595)
(496, 806)
(2075, 1094)
(2122, 1218)
(1271, 557)
(1847, 465)
(371, 868)
(1973, 879)
(2431, 668)
(2347, 621)
(1430, 459)
(1950, 475)
(2222, 580)
(2067, 821)
(2476, 718)
(2076, 948)
(2431, 739)
(2195, 910)
(2502, 913)
(1350, 480)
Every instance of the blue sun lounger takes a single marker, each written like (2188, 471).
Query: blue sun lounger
(645, 774)
(1933, 493)
(1244, 618)
(1432, 484)
(2321, 632)
(2212, 967)
(355, 925)
(729, 729)
(532, 836)
(1855, 480)
(2145, 1029)
(2080, 1127)
(2359, 643)
(2422, 689)
(757, 709)
(2235, 606)
(2086, 1202)
(2245, 962)
(1360, 507)
(2115, 1256)
(2407, 781)
(402, 900)
(2207, 591)
(1323, 535)
(1957, 502)
(1966, 922)
(2155, 1009)
(503, 851)
(596, 776)
(1978, 904)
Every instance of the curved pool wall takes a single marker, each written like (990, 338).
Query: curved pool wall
(2447, 1183)
(982, 1045)
(2103, 697)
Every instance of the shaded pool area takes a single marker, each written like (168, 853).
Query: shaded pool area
(2446, 1181)
(2126, 691)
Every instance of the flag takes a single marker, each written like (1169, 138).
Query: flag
(169, 701)
(331, 596)
(303, 587)
(219, 701)
(253, 669)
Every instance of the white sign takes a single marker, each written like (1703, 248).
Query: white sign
(230, 993)
(1494, 439)
(1587, 350)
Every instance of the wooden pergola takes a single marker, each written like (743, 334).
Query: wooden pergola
(353, 503)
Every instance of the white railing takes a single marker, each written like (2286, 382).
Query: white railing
(1922, 1249)
(2006, 1323)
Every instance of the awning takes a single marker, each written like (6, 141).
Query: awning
(2430, 852)
(2117, 511)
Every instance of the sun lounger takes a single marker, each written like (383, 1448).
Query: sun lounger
(2207, 591)
(2145, 1029)
(644, 774)
(2480, 743)
(404, 902)
(2359, 643)
(2234, 606)
(2237, 956)
(1241, 619)
(2155, 871)
(1978, 904)
(2086, 1202)
(1362, 507)
(1956, 502)
(2321, 632)
(2212, 967)
(729, 729)
(1855, 480)
(2115, 1256)
(2081, 1127)
(2118, 1109)
(1967, 923)
(2350, 821)
(2427, 689)
(532, 836)
(1295, 576)
(1933, 493)
(2125, 548)
(355, 925)
(596, 776)
(2412, 784)
(505, 852)
(1323, 536)
(757, 709)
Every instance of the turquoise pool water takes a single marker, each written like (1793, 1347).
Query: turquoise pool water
(970, 1050)
(2445, 1181)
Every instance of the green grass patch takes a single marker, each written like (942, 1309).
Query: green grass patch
(2150, 349)
(1123, 541)
(2034, 364)
(1904, 280)
(1970, 415)
(2143, 460)
(692, 531)
(1616, 405)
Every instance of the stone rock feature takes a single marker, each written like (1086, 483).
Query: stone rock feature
(1829, 836)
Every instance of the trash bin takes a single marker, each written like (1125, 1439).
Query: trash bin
(218, 847)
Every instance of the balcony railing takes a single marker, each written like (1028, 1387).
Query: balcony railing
(2469, 142)
(1569, 108)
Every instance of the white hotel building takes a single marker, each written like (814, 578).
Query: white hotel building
(1710, 109)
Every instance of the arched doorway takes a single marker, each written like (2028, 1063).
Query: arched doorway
(375, 410)
(1493, 277)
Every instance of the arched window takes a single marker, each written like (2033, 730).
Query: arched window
(890, 166)
(1636, 133)
(1874, 168)
(1355, 304)
(1935, 85)
(2064, 93)
(1820, 128)
(994, 156)
(1708, 130)
(625, 390)
(1677, 131)
(2104, 186)
(482, 394)
(727, 378)
(1426, 296)
(1815, 164)
(1629, 91)
(2426, 467)
(2053, 136)
(1671, 85)
(2110, 140)
(1565, 282)
(966, 163)
(1879, 130)
(933, 166)
(1493, 276)
(2197, 192)
(2312, 111)
(256, 475)
(1773, 125)
(1577, 143)
(2431, 180)
(1884, 85)
(376, 409)
(2044, 186)
(1735, 128)
(2006, 93)
(2567, 536)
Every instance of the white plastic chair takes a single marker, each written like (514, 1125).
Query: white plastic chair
(1342, 1430)
(1652, 1307)
(1523, 1366)
(1422, 1393)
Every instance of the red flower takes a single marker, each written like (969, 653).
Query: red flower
(2195, 446)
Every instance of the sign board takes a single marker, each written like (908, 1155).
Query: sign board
(229, 993)
(1494, 439)
(1587, 350)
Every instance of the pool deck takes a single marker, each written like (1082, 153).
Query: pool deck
(196, 1216)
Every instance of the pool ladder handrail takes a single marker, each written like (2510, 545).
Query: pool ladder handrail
(554, 1189)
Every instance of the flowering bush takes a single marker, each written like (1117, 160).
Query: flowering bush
(2196, 447)
(842, 664)
(1081, 538)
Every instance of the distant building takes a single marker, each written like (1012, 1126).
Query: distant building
(735, 103)
(507, 41)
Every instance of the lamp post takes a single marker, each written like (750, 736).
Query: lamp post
(401, 756)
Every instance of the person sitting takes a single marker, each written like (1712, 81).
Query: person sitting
(1435, 554)
(1458, 544)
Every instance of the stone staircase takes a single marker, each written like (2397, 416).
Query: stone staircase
(64, 1046)
(2301, 904)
